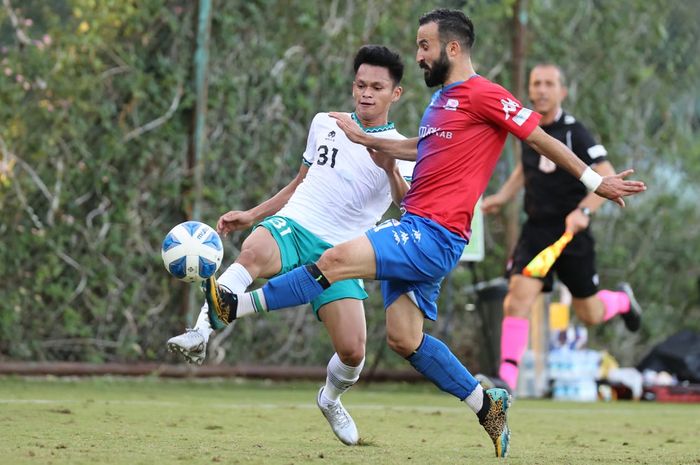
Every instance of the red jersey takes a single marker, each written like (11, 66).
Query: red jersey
(461, 136)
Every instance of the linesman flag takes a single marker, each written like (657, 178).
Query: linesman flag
(543, 261)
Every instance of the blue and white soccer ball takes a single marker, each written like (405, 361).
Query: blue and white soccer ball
(192, 251)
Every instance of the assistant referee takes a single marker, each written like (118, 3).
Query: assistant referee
(555, 203)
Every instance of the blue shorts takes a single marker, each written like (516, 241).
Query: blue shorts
(413, 255)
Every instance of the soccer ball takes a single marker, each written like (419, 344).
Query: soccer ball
(192, 251)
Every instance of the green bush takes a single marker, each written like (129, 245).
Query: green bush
(95, 122)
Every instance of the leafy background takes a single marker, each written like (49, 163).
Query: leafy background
(96, 109)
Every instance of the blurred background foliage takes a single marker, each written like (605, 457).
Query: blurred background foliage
(96, 109)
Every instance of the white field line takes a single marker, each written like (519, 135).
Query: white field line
(583, 409)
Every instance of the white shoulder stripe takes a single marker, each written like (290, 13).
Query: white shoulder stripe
(597, 151)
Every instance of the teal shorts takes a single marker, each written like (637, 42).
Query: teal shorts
(298, 246)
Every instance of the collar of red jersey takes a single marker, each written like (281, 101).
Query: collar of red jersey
(454, 84)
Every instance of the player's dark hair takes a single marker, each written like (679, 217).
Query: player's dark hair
(545, 64)
(379, 55)
(452, 25)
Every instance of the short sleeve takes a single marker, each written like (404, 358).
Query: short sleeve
(309, 155)
(586, 147)
(498, 106)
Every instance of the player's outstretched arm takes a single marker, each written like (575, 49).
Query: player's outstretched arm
(613, 187)
(397, 183)
(235, 220)
(403, 149)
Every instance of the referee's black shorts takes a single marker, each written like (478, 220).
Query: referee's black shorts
(575, 266)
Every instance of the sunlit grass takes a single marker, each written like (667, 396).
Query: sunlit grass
(148, 421)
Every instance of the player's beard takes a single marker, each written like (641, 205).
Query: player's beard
(437, 74)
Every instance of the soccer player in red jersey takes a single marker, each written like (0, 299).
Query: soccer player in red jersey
(460, 139)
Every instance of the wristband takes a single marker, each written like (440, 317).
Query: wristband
(591, 179)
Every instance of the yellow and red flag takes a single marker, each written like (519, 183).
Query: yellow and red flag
(543, 261)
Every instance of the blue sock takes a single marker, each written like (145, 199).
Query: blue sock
(434, 360)
(296, 287)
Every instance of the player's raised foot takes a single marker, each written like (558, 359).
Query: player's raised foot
(190, 344)
(222, 303)
(632, 318)
(490, 382)
(340, 420)
(495, 422)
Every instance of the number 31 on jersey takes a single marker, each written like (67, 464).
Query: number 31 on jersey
(323, 155)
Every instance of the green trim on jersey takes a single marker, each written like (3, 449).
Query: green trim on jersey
(298, 246)
(387, 127)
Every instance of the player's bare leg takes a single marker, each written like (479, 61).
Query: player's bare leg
(607, 304)
(351, 259)
(404, 326)
(590, 310)
(259, 256)
(345, 322)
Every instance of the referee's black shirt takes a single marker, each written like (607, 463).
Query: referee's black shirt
(550, 192)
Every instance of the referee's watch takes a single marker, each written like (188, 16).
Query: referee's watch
(586, 211)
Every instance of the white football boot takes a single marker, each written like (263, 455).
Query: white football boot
(190, 344)
(340, 420)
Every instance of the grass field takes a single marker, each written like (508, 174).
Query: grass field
(152, 421)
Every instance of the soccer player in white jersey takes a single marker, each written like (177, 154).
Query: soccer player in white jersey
(341, 190)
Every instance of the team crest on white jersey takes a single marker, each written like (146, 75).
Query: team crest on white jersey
(452, 104)
(331, 136)
(509, 106)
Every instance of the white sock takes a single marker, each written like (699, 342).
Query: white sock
(475, 400)
(251, 302)
(340, 377)
(237, 279)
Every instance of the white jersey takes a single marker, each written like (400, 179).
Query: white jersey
(345, 192)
